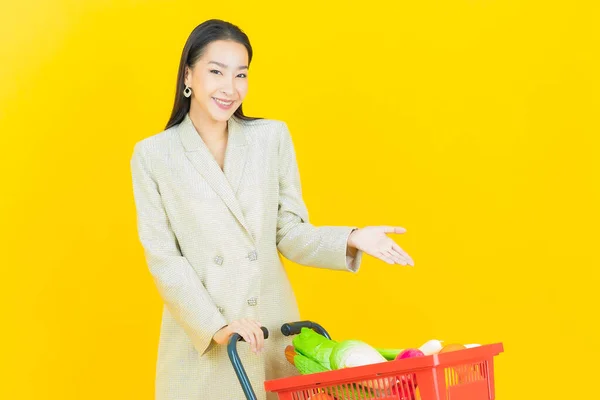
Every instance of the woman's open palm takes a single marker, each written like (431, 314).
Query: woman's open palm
(374, 241)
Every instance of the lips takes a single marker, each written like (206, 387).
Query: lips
(223, 104)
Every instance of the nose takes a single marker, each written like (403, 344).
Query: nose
(228, 87)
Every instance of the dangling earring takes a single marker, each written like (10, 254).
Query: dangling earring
(187, 92)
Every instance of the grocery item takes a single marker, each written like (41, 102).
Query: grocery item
(304, 364)
(389, 354)
(314, 346)
(410, 353)
(354, 353)
(431, 347)
(452, 347)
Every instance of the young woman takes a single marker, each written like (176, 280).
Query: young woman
(218, 197)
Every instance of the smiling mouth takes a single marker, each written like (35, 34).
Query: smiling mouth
(223, 102)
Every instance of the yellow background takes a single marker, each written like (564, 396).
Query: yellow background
(473, 124)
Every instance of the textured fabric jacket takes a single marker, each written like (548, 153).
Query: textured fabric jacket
(212, 239)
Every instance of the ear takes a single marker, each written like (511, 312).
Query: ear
(186, 76)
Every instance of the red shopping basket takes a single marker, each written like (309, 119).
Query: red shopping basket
(459, 375)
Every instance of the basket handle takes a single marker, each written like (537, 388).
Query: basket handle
(237, 364)
(294, 328)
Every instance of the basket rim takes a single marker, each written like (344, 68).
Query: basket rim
(387, 368)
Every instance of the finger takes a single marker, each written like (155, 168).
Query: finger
(256, 332)
(251, 329)
(394, 229)
(246, 335)
(384, 257)
(397, 257)
(399, 250)
(257, 325)
(248, 327)
(399, 230)
(261, 339)
(257, 337)
(261, 336)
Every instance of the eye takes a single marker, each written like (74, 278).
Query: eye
(242, 76)
(215, 71)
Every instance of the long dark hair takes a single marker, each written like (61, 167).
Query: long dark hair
(204, 34)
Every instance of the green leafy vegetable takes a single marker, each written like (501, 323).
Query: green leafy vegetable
(314, 346)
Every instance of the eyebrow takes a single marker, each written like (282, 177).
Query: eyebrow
(225, 66)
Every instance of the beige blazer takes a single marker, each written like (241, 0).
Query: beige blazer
(212, 240)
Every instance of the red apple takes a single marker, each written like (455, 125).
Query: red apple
(410, 353)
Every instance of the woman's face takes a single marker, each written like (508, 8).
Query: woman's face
(219, 79)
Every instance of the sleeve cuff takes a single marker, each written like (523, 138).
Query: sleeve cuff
(353, 262)
(204, 343)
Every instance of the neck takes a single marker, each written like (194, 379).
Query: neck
(209, 130)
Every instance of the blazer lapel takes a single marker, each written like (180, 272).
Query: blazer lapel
(224, 183)
(235, 155)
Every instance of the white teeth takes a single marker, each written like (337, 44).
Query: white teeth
(223, 102)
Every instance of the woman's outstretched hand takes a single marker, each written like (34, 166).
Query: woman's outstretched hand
(374, 241)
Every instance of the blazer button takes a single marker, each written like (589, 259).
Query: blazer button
(218, 260)
(252, 301)
(220, 309)
(252, 256)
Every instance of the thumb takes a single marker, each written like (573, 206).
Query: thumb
(393, 229)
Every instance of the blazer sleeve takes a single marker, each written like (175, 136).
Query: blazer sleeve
(297, 239)
(179, 286)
